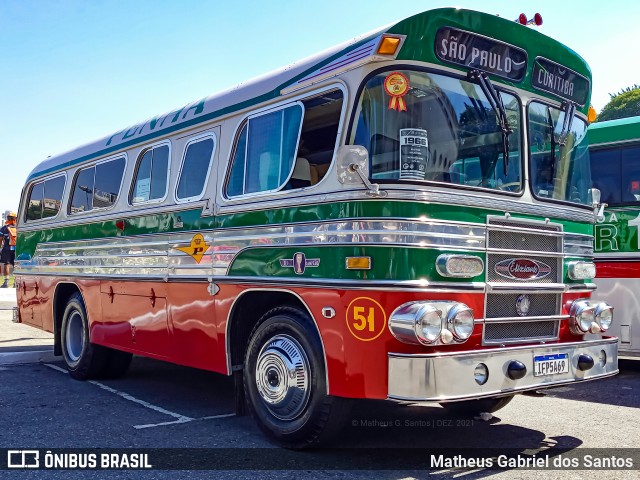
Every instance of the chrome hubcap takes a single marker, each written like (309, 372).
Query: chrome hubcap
(283, 377)
(74, 336)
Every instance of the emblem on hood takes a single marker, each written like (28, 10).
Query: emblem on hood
(522, 269)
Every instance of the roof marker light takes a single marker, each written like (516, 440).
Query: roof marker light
(536, 20)
(522, 19)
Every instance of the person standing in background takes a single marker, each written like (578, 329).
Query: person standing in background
(8, 253)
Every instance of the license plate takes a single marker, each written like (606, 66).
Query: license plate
(544, 365)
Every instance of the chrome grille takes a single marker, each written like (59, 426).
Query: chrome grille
(517, 332)
(504, 305)
(506, 240)
(513, 239)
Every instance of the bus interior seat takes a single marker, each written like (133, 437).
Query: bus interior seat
(301, 176)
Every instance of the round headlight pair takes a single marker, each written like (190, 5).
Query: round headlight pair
(459, 321)
(590, 317)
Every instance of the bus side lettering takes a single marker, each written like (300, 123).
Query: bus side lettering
(606, 236)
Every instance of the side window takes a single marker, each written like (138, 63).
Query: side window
(97, 186)
(318, 138)
(195, 168)
(150, 181)
(82, 199)
(52, 196)
(265, 152)
(34, 206)
(605, 171)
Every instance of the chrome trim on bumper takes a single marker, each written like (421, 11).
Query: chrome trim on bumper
(444, 377)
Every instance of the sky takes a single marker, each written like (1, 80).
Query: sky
(73, 71)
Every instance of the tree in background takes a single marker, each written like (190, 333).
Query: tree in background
(624, 104)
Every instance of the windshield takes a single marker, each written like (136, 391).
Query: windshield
(560, 167)
(419, 126)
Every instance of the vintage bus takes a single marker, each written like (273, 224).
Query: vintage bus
(615, 166)
(406, 216)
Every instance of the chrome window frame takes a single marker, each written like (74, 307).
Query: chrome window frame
(136, 168)
(80, 168)
(30, 190)
(195, 139)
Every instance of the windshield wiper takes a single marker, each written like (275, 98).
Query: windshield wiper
(552, 126)
(495, 100)
(569, 109)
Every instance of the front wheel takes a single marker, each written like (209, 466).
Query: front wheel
(285, 381)
(84, 359)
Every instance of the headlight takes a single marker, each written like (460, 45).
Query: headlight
(581, 270)
(582, 316)
(604, 315)
(460, 321)
(432, 322)
(429, 325)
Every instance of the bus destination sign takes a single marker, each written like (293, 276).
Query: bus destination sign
(561, 81)
(476, 51)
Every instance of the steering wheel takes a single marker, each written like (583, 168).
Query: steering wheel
(509, 187)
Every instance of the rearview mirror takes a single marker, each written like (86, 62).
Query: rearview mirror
(349, 160)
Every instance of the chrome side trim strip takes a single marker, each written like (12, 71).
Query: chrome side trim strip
(145, 254)
(435, 195)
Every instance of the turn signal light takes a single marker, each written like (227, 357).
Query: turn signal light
(389, 45)
(358, 263)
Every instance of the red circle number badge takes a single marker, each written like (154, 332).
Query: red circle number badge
(366, 319)
(396, 85)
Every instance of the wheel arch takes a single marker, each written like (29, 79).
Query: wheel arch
(246, 311)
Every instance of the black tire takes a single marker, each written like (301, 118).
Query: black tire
(84, 359)
(476, 407)
(294, 416)
(117, 363)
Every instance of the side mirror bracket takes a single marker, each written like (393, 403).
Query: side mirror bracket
(353, 167)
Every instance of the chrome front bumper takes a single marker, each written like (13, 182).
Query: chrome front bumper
(445, 377)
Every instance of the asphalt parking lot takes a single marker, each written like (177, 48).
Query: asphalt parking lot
(159, 405)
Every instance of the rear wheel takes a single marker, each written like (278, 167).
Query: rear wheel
(84, 360)
(476, 407)
(285, 381)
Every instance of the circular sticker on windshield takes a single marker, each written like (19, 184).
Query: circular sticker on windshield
(396, 85)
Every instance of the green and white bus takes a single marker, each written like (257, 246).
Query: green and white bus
(615, 164)
(406, 216)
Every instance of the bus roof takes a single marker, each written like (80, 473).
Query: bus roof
(419, 45)
(623, 130)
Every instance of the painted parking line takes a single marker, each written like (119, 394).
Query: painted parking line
(178, 417)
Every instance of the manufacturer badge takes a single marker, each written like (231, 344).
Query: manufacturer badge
(299, 262)
(522, 269)
(523, 304)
